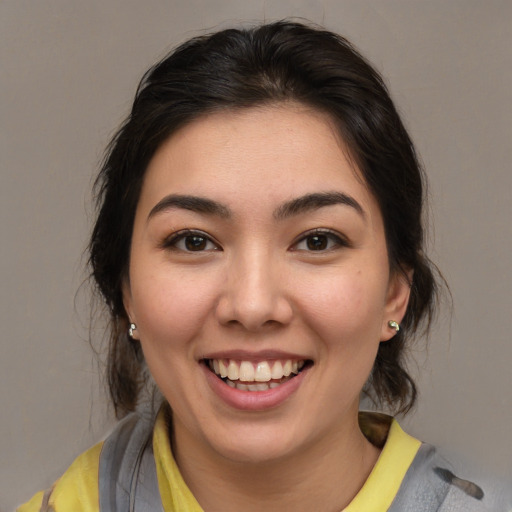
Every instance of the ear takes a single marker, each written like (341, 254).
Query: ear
(397, 299)
(128, 305)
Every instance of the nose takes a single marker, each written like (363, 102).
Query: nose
(254, 295)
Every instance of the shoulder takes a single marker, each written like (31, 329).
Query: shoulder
(431, 484)
(76, 490)
(411, 475)
(104, 472)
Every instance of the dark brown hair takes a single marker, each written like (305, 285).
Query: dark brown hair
(242, 68)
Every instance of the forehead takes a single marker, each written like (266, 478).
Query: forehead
(275, 152)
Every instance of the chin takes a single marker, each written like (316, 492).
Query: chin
(258, 444)
(254, 452)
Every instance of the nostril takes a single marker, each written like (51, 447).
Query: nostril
(253, 305)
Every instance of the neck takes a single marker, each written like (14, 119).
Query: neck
(330, 471)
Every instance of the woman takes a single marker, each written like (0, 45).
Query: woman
(259, 245)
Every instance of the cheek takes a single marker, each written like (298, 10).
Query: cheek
(350, 303)
(171, 306)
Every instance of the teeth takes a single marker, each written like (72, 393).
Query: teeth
(247, 372)
(232, 370)
(261, 386)
(277, 370)
(223, 371)
(262, 373)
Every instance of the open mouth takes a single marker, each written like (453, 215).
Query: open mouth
(260, 376)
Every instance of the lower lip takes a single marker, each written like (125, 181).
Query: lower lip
(253, 400)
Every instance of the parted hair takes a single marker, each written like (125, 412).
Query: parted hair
(248, 67)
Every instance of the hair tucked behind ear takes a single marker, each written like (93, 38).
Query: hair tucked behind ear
(236, 69)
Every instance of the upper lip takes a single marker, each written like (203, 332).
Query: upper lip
(261, 355)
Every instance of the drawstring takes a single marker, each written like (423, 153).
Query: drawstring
(45, 504)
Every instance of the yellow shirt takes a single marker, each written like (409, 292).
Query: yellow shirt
(77, 489)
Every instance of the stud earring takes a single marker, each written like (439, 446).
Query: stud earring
(394, 325)
(132, 328)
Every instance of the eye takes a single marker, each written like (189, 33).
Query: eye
(319, 241)
(190, 241)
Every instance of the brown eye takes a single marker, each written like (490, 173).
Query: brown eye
(320, 240)
(190, 241)
(195, 243)
(317, 242)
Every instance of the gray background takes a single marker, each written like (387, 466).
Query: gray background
(69, 71)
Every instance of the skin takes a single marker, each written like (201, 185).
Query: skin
(256, 289)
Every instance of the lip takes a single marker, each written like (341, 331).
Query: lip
(253, 400)
(263, 355)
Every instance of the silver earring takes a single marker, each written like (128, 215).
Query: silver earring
(394, 325)
(132, 328)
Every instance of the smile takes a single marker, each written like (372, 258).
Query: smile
(249, 376)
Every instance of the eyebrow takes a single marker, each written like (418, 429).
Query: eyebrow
(299, 205)
(315, 201)
(192, 203)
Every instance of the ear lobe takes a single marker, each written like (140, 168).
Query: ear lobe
(127, 302)
(399, 291)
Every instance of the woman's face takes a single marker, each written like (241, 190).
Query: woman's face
(258, 250)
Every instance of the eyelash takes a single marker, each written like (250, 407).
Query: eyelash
(181, 236)
(332, 237)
